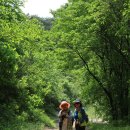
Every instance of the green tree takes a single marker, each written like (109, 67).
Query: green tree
(22, 84)
(95, 35)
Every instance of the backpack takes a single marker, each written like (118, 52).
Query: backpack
(87, 119)
(84, 115)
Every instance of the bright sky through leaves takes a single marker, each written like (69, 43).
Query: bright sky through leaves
(42, 7)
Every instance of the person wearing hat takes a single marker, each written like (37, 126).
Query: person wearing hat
(80, 116)
(65, 116)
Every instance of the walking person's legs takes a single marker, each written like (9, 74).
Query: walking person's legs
(77, 127)
(82, 128)
(60, 125)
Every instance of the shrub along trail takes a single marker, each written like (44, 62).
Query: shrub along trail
(50, 128)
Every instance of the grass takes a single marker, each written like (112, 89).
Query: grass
(108, 127)
(38, 121)
(100, 126)
(22, 126)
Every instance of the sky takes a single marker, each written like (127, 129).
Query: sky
(42, 7)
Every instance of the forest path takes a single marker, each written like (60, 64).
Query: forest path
(47, 128)
(53, 128)
(58, 129)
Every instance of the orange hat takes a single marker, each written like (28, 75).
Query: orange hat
(63, 103)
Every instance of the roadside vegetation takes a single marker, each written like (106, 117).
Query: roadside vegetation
(82, 52)
(108, 127)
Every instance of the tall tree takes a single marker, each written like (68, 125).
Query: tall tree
(97, 35)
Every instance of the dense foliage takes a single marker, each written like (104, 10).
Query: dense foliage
(96, 35)
(82, 52)
(31, 83)
(24, 65)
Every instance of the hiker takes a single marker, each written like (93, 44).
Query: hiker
(80, 116)
(65, 116)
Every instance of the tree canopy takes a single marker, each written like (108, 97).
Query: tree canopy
(82, 52)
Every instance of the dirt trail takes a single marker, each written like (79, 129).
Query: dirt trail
(58, 129)
(55, 128)
(51, 128)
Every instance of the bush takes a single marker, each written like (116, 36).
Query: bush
(21, 126)
(108, 127)
(39, 116)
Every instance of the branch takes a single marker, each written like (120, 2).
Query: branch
(93, 76)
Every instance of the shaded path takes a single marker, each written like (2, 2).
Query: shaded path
(50, 128)
(54, 128)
